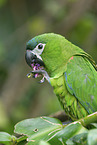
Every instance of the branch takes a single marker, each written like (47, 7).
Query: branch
(61, 115)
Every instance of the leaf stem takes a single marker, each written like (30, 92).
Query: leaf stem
(92, 118)
(21, 138)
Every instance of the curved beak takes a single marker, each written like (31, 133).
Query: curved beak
(31, 58)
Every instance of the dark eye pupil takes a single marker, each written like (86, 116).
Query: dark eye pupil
(40, 46)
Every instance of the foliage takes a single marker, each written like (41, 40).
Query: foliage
(47, 130)
(21, 97)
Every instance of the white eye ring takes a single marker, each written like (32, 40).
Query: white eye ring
(38, 51)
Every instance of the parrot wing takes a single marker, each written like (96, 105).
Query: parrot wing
(81, 81)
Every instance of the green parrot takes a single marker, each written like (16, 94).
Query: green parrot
(70, 71)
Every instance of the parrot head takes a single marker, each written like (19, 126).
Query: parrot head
(43, 53)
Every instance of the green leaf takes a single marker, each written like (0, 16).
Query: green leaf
(43, 143)
(68, 132)
(80, 139)
(92, 137)
(39, 143)
(56, 141)
(36, 129)
(70, 142)
(94, 125)
(7, 138)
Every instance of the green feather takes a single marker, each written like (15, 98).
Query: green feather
(81, 82)
(72, 72)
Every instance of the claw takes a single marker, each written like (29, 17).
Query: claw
(41, 72)
(42, 80)
(44, 73)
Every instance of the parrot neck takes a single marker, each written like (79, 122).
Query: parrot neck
(56, 71)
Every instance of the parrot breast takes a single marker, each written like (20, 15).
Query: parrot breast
(67, 100)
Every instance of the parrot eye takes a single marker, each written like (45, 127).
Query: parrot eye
(38, 49)
(40, 46)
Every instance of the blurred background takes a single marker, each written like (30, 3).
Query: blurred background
(20, 20)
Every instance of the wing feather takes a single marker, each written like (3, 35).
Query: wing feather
(81, 81)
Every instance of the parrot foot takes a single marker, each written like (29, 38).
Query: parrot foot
(42, 80)
(38, 73)
(29, 75)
